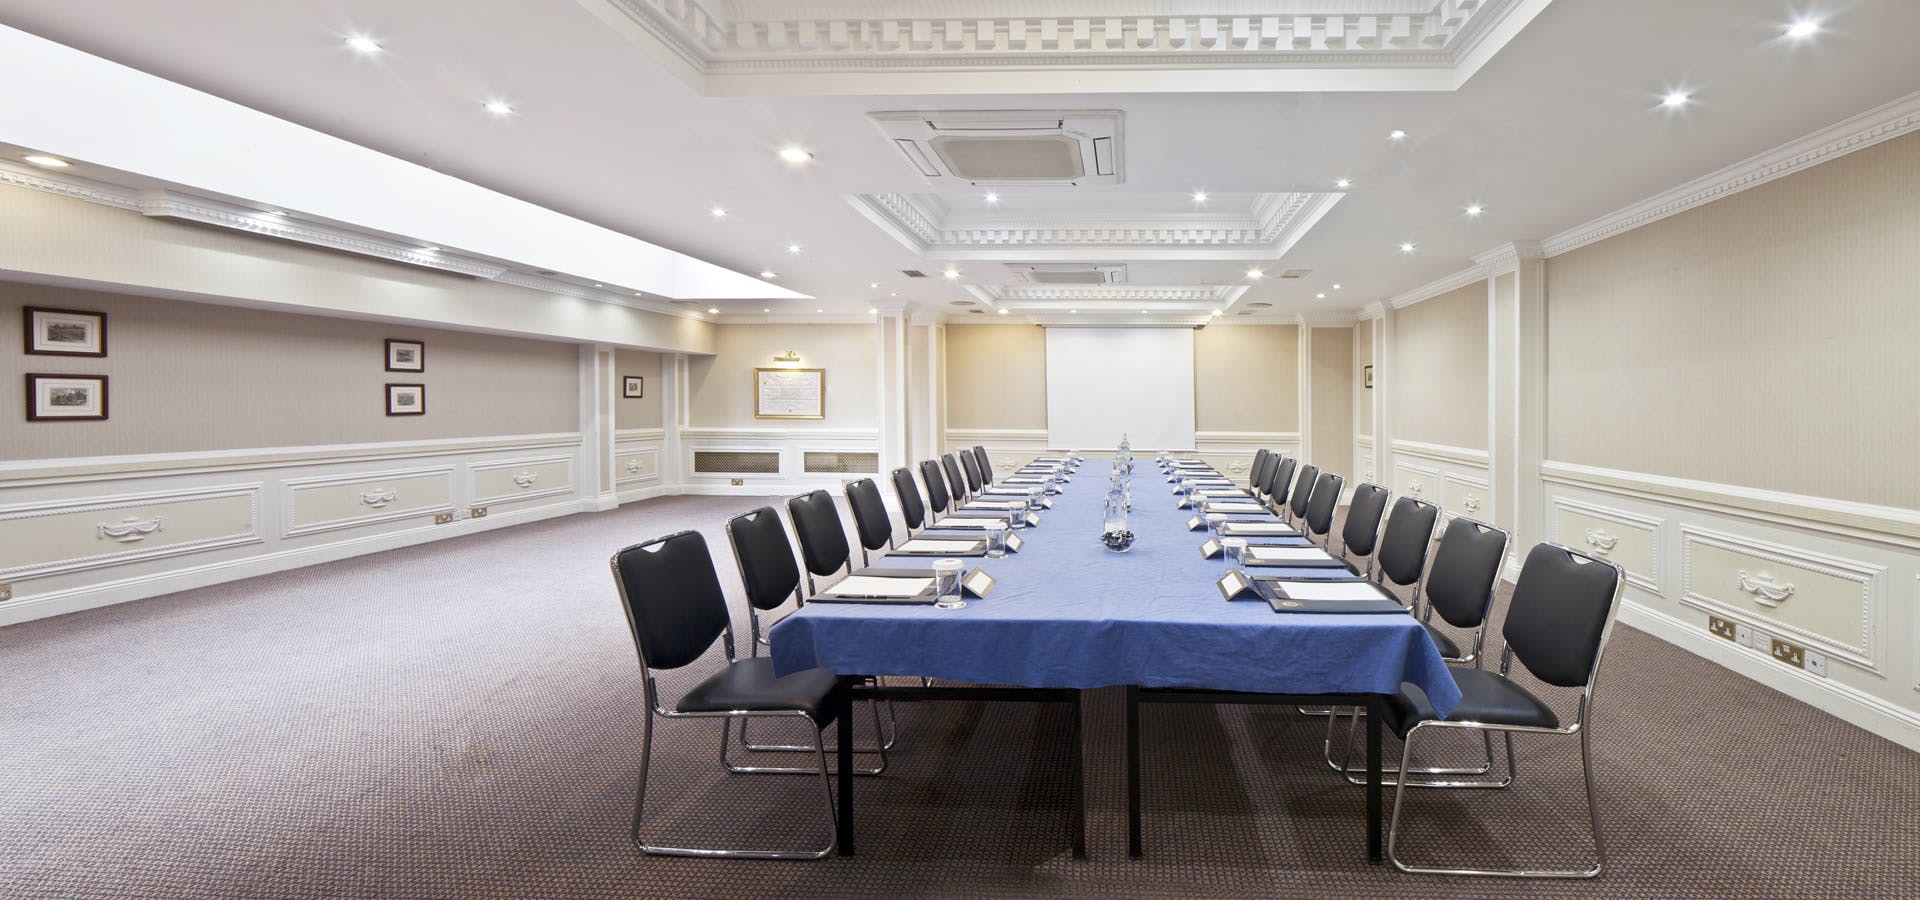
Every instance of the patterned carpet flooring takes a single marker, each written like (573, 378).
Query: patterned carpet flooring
(462, 720)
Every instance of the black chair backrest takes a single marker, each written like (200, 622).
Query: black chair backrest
(986, 467)
(1326, 496)
(912, 511)
(765, 555)
(1280, 479)
(823, 540)
(673, 600)
(937, 496)
(1256, 471)
(1362, 530)
(956, 482)
(870, 519)
(1404, 545)
(1303, 489)
(1465, 569)
(972, 468)
(1558, 618)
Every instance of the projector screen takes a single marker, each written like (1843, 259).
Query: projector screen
(1105, 382)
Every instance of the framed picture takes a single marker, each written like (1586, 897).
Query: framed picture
(406, 399)
(52, 398)
(1366, 377)
(66, 332)
(789, 393)
(406, 356)
(633, 387)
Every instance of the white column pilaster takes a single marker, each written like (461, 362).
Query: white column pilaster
(1516, 382)
(1384, 372)
(594, 460)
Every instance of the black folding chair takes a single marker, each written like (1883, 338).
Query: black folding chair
(1361, 533)
(986, 466)
(675, 611)
(1320, 509)
(913, 512)
(1303, 487)
(823, 539)
(871, 521)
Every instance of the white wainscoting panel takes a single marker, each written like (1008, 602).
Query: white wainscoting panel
(1631, 540)
(86, 532)
(791, 445)
(335, 502)
(519, 480)
(1456, 479)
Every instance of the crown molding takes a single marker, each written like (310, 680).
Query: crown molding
(1217, 294)
(1371, 312)
(1507, 257)
(1438, 286)
(1882, 123)
(1326, 319)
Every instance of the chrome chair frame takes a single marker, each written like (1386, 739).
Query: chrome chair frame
(1580, 727)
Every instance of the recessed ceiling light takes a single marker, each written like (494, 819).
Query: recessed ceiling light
(1143, 312)
(639, 293)
(872, 312)
(713, 310)
(952, 274)
(1336, 287)
(1216, 312)
(894, 294)
(499, 107)
(47, 162)
(363, 44)
(793, 248)
(1256, 274)
(873, 284)
(1675, 99)
(1803, 28)
(993, 197)
(766, 310)
(1396, 135)
(1320, 296)
(819, 310)
(1406, 246)
(1199, 196)
(768, 273)
(719, 212)
(795, 155)
(1475, 209)
(1343, 183)
(1073, 312)
(1003, 312)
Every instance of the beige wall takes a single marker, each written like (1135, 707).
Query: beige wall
(720, 387)
(1362, 358)
(1767, 339)
(1246, 378)
(645, 411)
(1332, 399)
(982, 357)
(44, 237)
(193, 376)
(1440, 369)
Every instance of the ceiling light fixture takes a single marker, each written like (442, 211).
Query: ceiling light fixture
(1320, 296)
(793, 248)
(719, 212)
(1675, 99)
(1396, 135)
(952, 274)
(1803, 28)
(768, 273)
(363, 44)
(794, 155)
(713, 310)
(47, 162)
(1256, 274)
(499, 107)
(1336, 287)
(993, 197)
(872, 312)
(1343, 183)
(1475, 209)
(894, 294)
(1003, 312)
(873, 284)
(1143, 312)
(766, 310)
(1074, 312)
(819, 310)
(1216, 312)
(1406, 246)
(1199, 196)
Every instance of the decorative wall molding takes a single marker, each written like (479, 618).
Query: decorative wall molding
(363, 484)
(1443, 452)
(29, 472)
(1439, 286)
(1605, 543)
(1770, 593)
(115, 528)
(1883, 524)
(1218, 295)
(525, 479)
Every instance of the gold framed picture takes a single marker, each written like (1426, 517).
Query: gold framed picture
(789, 393)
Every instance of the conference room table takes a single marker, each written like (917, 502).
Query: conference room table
(1066, 614)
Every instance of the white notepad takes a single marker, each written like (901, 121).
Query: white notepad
(1235, 493)
(1259, 528)
(1005, 492)
(1287, 554)
(934, 545)
(998, 504)
(1329, 590)
(1234, 508)
(968, 523)
(1023, 479)
(876, 586)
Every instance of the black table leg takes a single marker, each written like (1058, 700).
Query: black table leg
(1376, 711)
(1078, 734)
(844, 716)
(1133, 771)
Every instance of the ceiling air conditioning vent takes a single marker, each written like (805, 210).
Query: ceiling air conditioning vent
(1032, 147)
(913, 273)
(1296, 273)
(1070, 273)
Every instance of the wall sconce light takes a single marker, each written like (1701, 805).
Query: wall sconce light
(791, 356)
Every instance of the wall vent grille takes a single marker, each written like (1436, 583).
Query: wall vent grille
(829, 462)
(736, 462)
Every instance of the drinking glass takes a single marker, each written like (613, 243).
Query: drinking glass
(997, 540)
(946, 584)
(1215, 523)
(1236, 551)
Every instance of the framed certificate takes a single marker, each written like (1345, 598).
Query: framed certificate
(789, 393)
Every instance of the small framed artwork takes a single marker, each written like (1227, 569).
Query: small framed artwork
(406, 399)
(406, 356)
(633, 387)
(66, 332)
(53, 398)
(1366, 377)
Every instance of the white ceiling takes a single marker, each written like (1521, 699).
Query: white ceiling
(1562, 125)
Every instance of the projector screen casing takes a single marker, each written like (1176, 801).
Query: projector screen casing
(1105, 382)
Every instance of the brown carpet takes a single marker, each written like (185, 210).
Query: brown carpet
(462, 720)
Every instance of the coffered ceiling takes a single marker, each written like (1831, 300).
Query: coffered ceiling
(1253, 140)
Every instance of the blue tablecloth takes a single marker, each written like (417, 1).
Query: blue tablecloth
(1068, 613)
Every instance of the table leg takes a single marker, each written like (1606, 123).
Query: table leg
(1133, 771)
(1079, 800)
(1376, 711)
(844, 717)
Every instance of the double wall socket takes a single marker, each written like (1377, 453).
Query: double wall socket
(444, 518)
(1785, 652)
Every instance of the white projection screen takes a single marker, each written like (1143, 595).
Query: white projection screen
(1102, 382)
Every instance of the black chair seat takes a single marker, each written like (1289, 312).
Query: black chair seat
(1484, 697)
(1446, 645)
(750, 685)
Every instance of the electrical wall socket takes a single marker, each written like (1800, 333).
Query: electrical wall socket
(443, 518)
(478, 512)
(737, 482)
(1789, 652)
(6, 592)
(1722, 628)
